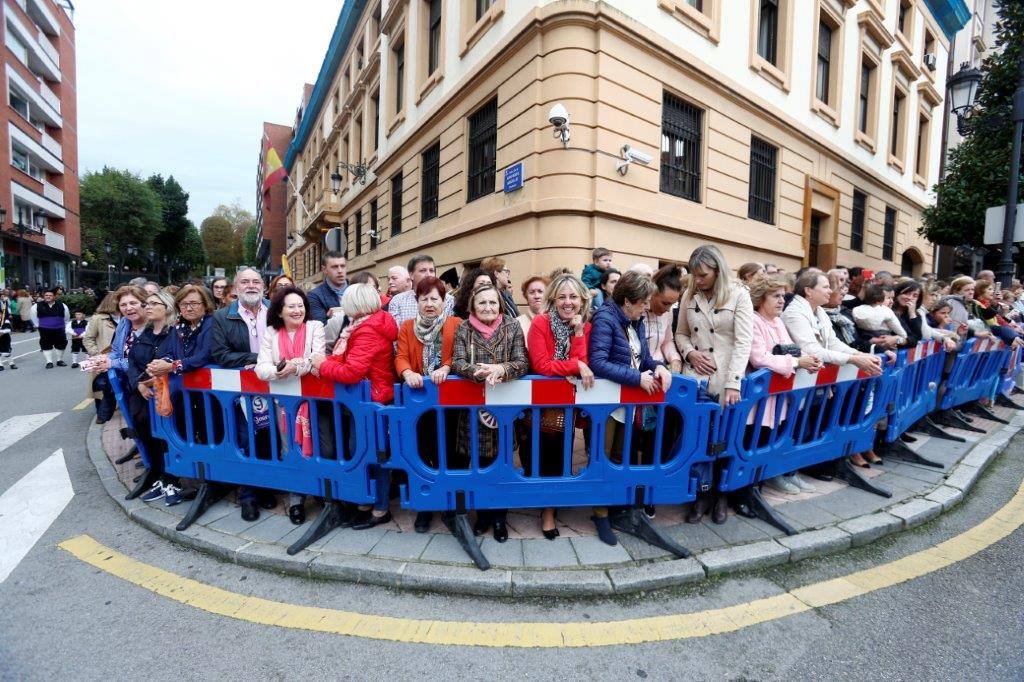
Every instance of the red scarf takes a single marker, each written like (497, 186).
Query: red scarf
(486, 330)
(289, 348)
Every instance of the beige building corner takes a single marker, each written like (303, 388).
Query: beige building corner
(795, 132)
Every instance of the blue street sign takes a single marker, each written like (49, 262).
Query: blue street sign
(514, 177)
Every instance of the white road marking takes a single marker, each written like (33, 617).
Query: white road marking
(29, 507)
(31, 352)
(16, 428)
(15, 343)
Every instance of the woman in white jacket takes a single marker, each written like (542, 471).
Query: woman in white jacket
(286, 350)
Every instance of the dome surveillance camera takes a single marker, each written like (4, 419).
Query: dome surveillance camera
(558, 116)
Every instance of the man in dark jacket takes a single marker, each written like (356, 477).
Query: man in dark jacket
(328, 295)
(235, 342)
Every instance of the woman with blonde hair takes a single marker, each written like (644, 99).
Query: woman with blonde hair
(97, 339)
(714, 336)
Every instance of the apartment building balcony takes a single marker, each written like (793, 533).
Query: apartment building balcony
(40, 203)
(49, 96)
(53, 146)
(41, 108)
(41, 14)
(53, 193)
(324, 213)
(53, 239)
(40, 154)
(33, 48)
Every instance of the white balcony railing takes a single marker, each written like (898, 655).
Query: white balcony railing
(48, 95)
(51, 145)
(52, 193)
(53, 239)
(48, 49)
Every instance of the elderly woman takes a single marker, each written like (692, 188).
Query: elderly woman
(129, 302)
(713, 335)
(365, 350)
(489, 348)
(155, 341)
(750, 271)
(425, 346)
(961, 301)
(286, 350)
(838, 314)
(809, 326)
(617, 351)
(533, 291)
(768, 296)
(470, 281)
(558, 348)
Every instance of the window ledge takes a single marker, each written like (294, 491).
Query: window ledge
(825, 111)
(691, 17)
(770, 72)
(396, 121)
(896, 163)
(920, 182)
(477, 30)
(864, 141)
(928, 73)
(904, 41)
(429, 84)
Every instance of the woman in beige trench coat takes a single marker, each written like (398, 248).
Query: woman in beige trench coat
(716, 320)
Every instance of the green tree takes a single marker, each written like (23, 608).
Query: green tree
(249, 245)
(241, 221)
(118, 210)
(174, 200)
(977, 171)
(192, 252)
(218, 241)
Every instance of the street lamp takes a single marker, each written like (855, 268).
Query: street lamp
(21, 229)
(358, 170)
(963, 90)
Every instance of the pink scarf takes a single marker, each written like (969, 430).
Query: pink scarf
(486, 330)
(288, 349)
(342, 343)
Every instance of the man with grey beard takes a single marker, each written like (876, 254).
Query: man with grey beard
(235, 342)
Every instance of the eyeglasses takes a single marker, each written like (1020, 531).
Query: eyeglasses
(190, 305)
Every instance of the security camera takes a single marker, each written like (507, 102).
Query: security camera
(630, 155)
(559, 118)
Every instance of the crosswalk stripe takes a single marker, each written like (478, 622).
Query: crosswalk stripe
(29, 507)
(16, 428)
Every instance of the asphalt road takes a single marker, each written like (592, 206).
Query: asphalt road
(61, 618)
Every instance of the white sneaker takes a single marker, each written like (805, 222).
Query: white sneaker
(802, 483)
(780, 484)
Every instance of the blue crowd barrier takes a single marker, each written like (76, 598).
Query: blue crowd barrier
(917, 373)
(975, 372)
(666, 473)
(117, 389)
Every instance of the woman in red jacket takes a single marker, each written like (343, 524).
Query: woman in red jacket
(365, 350)
(558, 348)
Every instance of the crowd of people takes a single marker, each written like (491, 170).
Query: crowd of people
(636, 327)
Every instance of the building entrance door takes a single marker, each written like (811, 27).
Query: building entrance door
(821, 218)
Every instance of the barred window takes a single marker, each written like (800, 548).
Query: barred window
(483, 149)
(857, 223)
(396, 204)
(761, 197)
(768, 30)
(374, 229)
(895, 132)
(359, 232)
(681, 130)
(430, 181)
(399, 55)
(889, 234)
(864, 113)
(824, 61)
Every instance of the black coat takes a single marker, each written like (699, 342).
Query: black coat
(229, 338)
(149, 347)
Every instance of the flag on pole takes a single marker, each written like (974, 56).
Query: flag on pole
(273, 169)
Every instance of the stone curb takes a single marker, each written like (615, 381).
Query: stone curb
(625, 578)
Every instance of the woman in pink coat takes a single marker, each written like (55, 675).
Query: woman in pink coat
(767, 350)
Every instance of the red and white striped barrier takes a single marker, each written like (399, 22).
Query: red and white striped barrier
(985, 345)
(542, 392)
(827, 375)
(923, 350)
(246, 381)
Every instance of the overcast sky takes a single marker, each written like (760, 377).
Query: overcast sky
(182, 87)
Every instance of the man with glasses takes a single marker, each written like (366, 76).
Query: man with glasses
(404, 306)
(235, 342)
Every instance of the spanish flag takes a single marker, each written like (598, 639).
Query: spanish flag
(273, 169)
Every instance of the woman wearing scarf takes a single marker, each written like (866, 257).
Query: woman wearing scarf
(489, 348)
(838, 314)
(425, 345)
(365, 350)
(558, 348)
(286, 350)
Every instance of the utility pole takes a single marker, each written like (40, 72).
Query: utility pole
(1006, 264)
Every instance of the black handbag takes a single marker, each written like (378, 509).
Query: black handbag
(787, 349)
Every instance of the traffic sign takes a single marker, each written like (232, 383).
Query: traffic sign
(994, 219)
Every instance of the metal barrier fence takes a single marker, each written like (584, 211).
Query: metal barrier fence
(546, 442)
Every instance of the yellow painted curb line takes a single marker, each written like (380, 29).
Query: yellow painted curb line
(550, 635)
(84, 404)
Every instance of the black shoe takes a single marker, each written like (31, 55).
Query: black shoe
(743, 509)
(819, 475)
(907, 438)
(500, 531)
(422, 524)
(372, 521)
(720, 512)
(14, 366)
(61, 363)
(74, 365)
(550, 534)
(49, 365)
(358, 517)
(448, 519)
(297, 514)
(604, 530)
(697, 510)
(649, 511)
(1, 368)
(267, 502)
(250, 512)
(482, 525)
